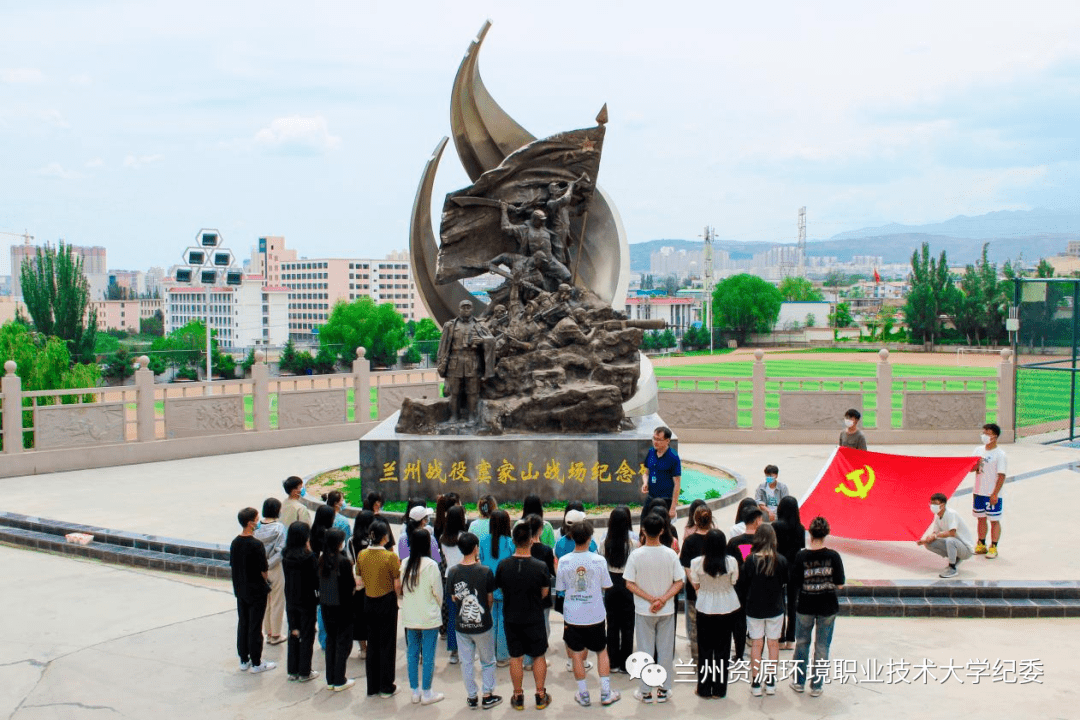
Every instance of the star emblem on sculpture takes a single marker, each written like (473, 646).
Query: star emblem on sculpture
(588, 146)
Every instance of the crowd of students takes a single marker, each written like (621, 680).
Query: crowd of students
(488, 586)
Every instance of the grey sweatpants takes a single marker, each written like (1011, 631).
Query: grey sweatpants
(951, 548)
(656, 634)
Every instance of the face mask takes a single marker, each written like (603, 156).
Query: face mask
(303, 492)
(769, 479)
(935, 509)
(985, 439)
(849, 422)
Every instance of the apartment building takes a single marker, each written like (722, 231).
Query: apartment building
(248, 315)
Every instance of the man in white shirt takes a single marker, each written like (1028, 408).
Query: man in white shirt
(655, 576)
(947, 535)
(989, 479)
(583, 576)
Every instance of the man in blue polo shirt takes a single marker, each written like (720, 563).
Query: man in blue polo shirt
(663, 470)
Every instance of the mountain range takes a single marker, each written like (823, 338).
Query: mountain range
(1011, 235)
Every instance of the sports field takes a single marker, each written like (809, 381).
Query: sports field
(736, 375)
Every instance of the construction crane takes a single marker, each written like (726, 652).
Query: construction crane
(27, 237)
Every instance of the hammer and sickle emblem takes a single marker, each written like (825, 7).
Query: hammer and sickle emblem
(862, 489)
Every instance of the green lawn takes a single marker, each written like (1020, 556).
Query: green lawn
(737, 376)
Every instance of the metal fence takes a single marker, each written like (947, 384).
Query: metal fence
(1043, 324)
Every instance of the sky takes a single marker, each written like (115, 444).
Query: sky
(135, 124)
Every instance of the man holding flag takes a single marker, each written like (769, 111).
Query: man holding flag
(947, 535)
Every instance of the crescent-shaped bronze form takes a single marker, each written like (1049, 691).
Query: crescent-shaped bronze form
(484, 134)
(441, 301)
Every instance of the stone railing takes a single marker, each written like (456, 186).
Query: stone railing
(148, 422)
(771, 409)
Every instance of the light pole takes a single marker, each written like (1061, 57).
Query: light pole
(211, 265)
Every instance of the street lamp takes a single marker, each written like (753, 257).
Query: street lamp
(211, 266)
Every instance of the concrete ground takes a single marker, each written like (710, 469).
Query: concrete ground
(85, 640)
(198, 499)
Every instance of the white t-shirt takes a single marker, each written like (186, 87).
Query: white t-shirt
(716, 595)
(993, 464)
(653, 568)
(950, 520)
(451, 555)
(583, 577)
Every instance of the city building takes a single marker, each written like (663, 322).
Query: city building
(124, 314)
(133, 280)
(94, 267)
(248, 315)
(315, 284)
(679, 312)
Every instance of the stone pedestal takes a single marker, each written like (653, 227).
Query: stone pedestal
(596, 468)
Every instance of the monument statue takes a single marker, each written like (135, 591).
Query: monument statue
(551, 353)
(465, 347)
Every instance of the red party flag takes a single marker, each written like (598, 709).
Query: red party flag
(877, 278)
(877, 496)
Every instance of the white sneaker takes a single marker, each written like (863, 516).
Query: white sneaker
(415, 697)
(263, 666)
(646, 698)
(816, 691)
(245, 666)
(348, 684)
(432, 698)
(570, 665)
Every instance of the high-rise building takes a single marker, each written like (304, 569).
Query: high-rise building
(244, 316)
(94, 267)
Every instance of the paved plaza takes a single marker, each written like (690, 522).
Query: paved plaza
(87, 640)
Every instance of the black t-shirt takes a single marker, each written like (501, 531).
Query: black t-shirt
(301, 580)
(469, 585)
(693, 546)
(764, 594)
(247, 558)
(546, 555)
(789, 540)
(337, 586)
(522, 580)
(816, 574)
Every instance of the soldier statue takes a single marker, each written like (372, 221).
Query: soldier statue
(466, 351)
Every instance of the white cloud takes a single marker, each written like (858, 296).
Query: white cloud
(136, 162)
(55, 169)
(297, 135)
(20, 76)
(95, 162)
(54, 118)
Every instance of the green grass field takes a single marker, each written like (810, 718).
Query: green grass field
(860, 374)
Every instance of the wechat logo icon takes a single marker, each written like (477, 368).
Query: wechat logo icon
(641, 666)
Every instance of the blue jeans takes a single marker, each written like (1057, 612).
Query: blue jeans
(804, 626)
(322, 628)
(499, 628)
(421, 642)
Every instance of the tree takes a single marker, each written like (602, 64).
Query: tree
(811, 321)
(835, 279)
(379, 329)
(56, 295)
(932, 295)
(287, 360)
(746, 304)
(325, 361)
(841, 317)
(797, 289)
(412, 356)
(119, 292)
(153, 325)
(666, 339)
(695, 337)
(44, 363)
(671, 285)
(119, 366)
(426, 338)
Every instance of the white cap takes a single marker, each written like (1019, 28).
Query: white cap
(574, 516)
(420, 512)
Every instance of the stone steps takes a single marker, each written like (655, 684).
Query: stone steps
(117, 546)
